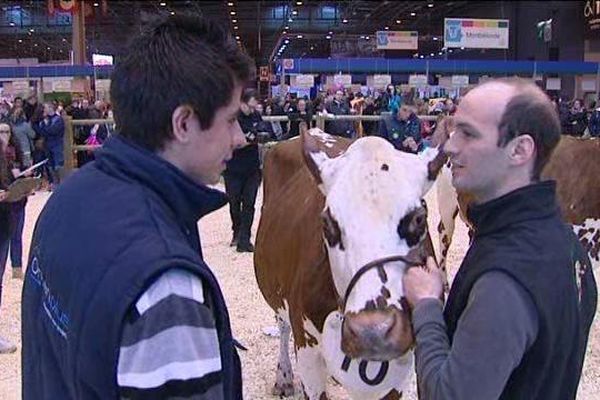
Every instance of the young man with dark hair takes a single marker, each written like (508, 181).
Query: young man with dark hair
(518, 316)
(242, 176)
(117, 301)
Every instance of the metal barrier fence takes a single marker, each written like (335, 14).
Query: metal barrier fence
(71, 148)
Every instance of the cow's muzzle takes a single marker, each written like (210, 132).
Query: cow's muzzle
(379, 334)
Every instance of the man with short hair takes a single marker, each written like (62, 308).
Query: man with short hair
(118, 301)
(402, 129)
(243, 175)
(518, 316)
(339, 106)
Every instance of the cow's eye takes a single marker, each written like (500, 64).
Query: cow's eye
(331, 229)
(413, 226)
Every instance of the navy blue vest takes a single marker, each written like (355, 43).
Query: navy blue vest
(101, 240)
(522, 235)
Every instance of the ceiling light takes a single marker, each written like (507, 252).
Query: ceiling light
(230, 4)
(328, 37)
(290, 20)
(64, 40)
(330, 32)
(367, 38)
(172, 12)
(48, 48)
(35, 45)
(432, 54)
(96, 4)
(284, 32)
(286, 41)
(312, 47)
(462, 48)
(362, 36)
(294, 12)
(232, 12)
(163, 4)
(344, 21)
(440, 53)
(234, 20)
(412, 14)
(430, 5)
(32, 30)
(450, 51)
(237, 38)
(236, 28)
(20, 40)
(421, 56)
(387, 28)
(299, 36)
(286, 28)
(398, 21)
(435, 38)
(298, 3)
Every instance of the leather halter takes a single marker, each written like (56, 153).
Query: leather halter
(407, 259)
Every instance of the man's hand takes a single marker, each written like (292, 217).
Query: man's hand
(410, 143)
(423, 283)
(3, 195)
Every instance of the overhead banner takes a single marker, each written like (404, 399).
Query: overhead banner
(305, 81)
(102, 59)
(397, 40)
(476, 33)
(417, 80)
(553, 84)
(382, 81)
(591, 13)
(20, 86)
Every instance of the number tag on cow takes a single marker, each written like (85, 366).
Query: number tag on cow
(361, 376)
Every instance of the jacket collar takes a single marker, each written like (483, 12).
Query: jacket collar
(535, 201)
(188, 200)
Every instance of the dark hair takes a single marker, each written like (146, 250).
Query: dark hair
(247, 95)
(530, 112)
(176, 60)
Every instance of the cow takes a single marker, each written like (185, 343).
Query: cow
(341, 220)
(574, 166)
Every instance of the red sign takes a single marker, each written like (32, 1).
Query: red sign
(264, 74)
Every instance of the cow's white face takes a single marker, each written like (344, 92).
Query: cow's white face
(373, 210)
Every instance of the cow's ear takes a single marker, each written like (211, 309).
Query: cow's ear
(319, 150)
(434, 158)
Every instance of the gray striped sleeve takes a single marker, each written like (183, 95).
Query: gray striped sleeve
(169, 345)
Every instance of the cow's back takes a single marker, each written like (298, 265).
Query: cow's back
(290, 260)
(575, 166)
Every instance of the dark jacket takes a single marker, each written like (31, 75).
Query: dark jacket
(577, 123)
(522, 235)
(339, 128)
(245, 161)
(53, 132)
(76, 294)
(296, 118)
(594, 123)
(397, 131)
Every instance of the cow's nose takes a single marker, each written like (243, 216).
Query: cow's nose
(377, 334)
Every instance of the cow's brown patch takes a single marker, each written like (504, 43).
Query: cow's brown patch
(331, 230)
(369, 306)
(393, 395)
(382, 274)
(381, 302)
(385, 292)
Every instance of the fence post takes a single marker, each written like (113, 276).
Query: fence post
(68, 145)
(321, 122)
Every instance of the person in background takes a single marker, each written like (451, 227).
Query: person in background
(403, 130)
(594, 123)
(24, 135)
(339, 106)
(52, 130)
(243, 175)
(577, 118)
(6, 178)
(369, 127)
(275, 125)
(298, 113)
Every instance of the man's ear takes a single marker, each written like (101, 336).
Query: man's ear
(522, 149)
(181, 121)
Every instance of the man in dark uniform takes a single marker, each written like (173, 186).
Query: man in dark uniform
(242, 176)
(518, 316)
